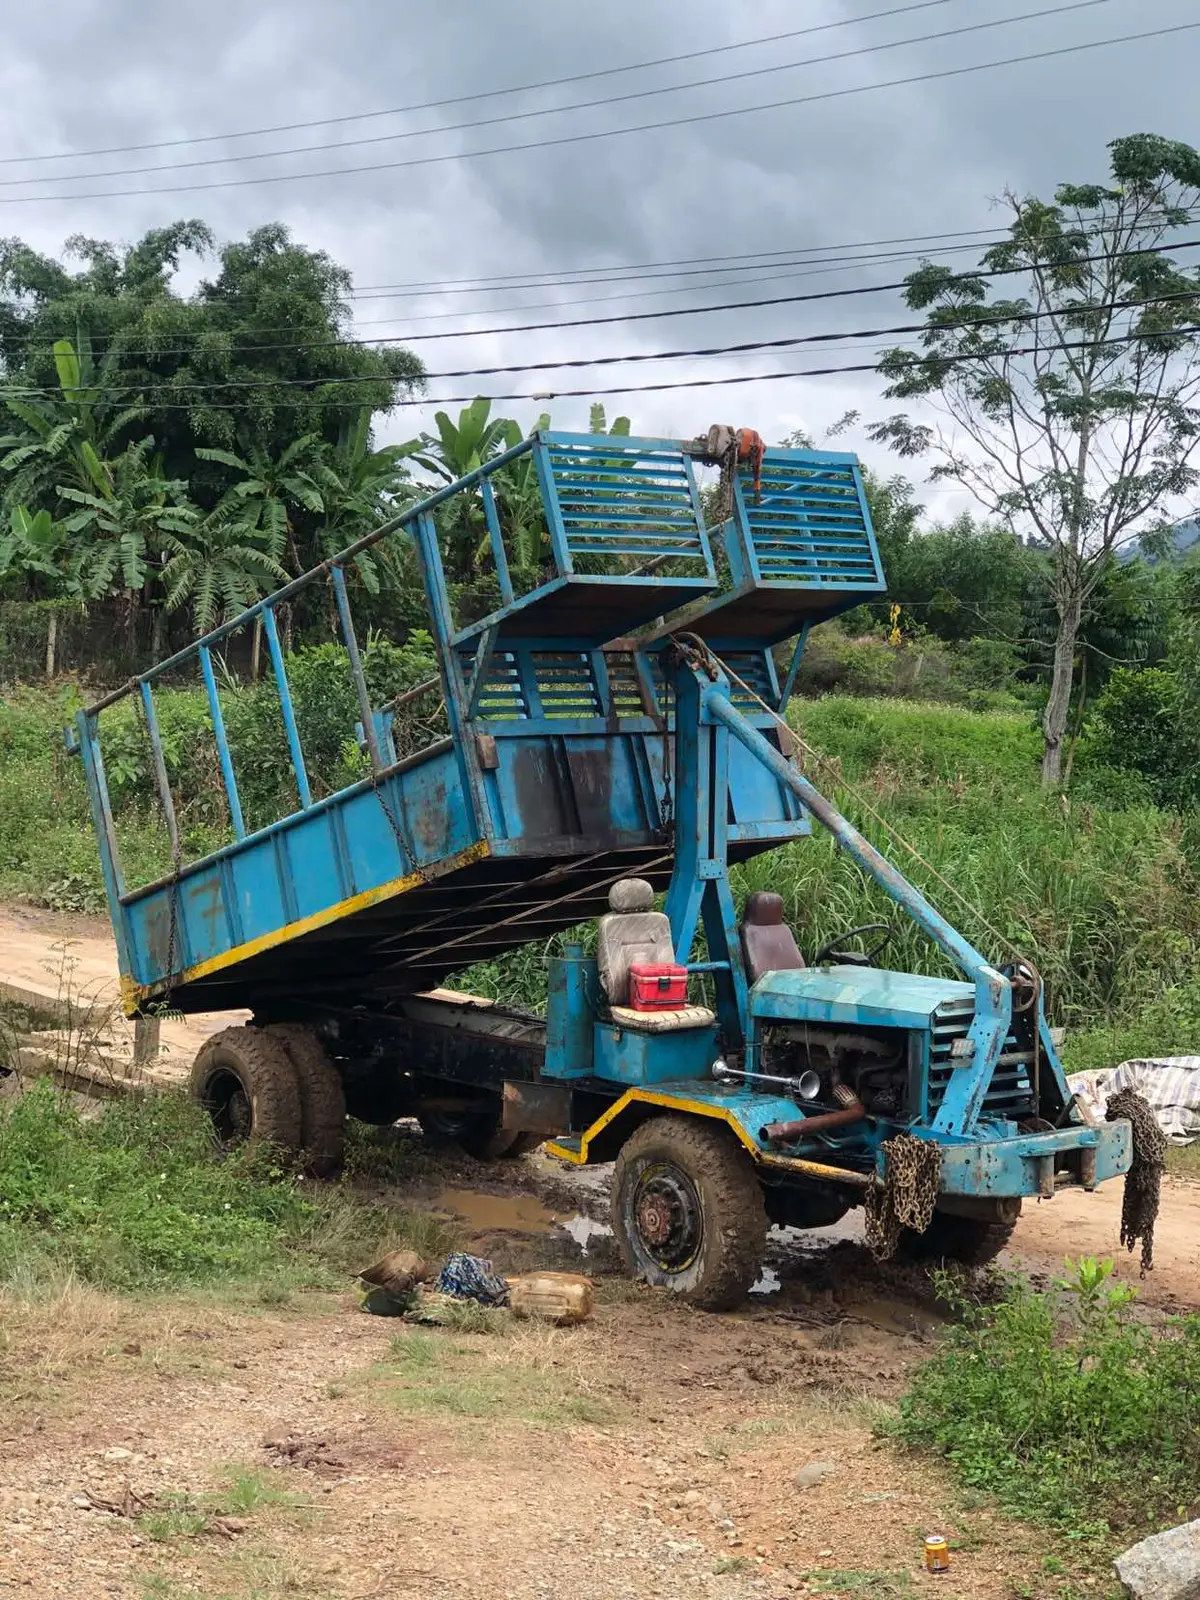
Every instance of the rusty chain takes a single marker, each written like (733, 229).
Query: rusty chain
(912, 1172)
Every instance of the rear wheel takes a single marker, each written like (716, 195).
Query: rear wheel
(246, 1082)
(477, 1132)
(971, 1241)
(322, 1098)
(688, 1211)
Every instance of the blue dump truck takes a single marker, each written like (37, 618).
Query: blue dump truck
(608, 733)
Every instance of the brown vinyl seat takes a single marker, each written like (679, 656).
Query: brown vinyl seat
(768, 944)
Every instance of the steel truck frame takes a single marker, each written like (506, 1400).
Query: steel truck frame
(620, 717)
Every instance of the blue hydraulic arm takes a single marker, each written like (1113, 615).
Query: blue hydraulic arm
(993, 991)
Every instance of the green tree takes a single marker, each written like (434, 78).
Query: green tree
(270, 492)
(598, 422)
(459, 448)
(215, 567)
(258, 355)
(125, 515)
(363, 487)
(1072, 398)
(58, 436)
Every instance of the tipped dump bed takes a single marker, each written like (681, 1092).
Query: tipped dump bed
(549, 773)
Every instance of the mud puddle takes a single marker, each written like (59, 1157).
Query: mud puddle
(484, 1213)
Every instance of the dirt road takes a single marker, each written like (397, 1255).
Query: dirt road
(68, 964)
(190, 1447)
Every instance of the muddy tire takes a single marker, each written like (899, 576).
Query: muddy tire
(969, 1241)
(688, 1211)
(322, 1098)
(246, 1082)
(477, 1132)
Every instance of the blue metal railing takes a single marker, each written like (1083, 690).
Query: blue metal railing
(808, 523)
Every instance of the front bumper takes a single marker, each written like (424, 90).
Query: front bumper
(1036, 1164)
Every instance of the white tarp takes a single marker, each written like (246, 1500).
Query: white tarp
(1171, 1085)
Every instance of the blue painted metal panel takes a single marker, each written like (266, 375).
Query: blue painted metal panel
(800, 548)
(290, 871)
(571, 988)
(623, 1055)
(854, 996)
(1014, 1167)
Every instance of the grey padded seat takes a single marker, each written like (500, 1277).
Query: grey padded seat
(632, 931)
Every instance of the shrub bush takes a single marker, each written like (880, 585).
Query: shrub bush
(1066, 1406)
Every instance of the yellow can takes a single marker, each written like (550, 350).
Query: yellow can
(937, 1553)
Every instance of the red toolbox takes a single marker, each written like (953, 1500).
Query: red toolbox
(657, 986)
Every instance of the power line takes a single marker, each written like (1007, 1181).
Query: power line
(554, 111)
(833, 264)
(981, 323)
(750, 258)
(480, 94)
(609, 133)
(705, 383)
(644, 316)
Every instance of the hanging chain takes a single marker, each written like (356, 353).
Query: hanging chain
(1143, 1181)
(912, 1175)
(176, 864)
(666, 807)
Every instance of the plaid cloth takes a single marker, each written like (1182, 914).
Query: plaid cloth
(1171, 1085)
(471, 1278)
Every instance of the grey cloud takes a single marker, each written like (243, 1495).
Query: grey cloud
(913, 160)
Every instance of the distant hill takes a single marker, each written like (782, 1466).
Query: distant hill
(1185, 537)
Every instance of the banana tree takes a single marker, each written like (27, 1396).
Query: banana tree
(125, 514)
(49, 436)
(217, 568)
(455, 450)
(272, 491)
(38, 549)
(363, 487)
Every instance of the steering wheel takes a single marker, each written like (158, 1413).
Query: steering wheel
(853, 958)
(1026, 985)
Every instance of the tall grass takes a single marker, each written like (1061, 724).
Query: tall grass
(1102, 896)
(1102, 893)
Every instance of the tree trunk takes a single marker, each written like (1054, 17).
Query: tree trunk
(1080, 713)
(256, 648)
(1058, 706)
(158, 634)
(51, 643)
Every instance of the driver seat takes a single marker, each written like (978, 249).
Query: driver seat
(768, 944)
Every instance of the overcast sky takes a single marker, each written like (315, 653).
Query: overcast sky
(920, 159)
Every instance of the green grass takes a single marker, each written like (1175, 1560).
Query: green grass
(518, 1380)
(137, 1198)
(1067, 1407)
(880, 1584)
(1102, 893)
(1104, 896)
(245, 1492)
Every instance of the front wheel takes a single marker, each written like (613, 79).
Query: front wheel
(688, 1211)
(970, 1241)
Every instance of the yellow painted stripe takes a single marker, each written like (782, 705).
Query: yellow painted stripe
(134, 995)
(653, 1097)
